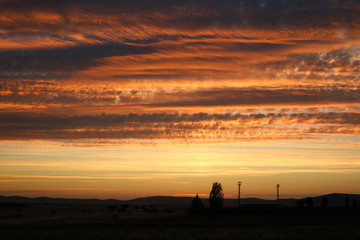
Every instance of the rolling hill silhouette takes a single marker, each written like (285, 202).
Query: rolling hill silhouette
(335, 200)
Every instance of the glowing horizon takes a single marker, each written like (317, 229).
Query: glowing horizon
(217, 90)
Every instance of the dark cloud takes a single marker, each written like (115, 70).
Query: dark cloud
(344, 58)
(65, 59)
(143, 24)
(200, 53)
(205, 13)
(158, 126)
(47, 121)
(31, 75)
(340, 64)
(179, 74)
(39, 94)
(248, 97)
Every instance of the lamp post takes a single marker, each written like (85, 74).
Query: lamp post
(239, 185)
(278, 194)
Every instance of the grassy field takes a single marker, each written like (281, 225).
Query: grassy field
(147, 222)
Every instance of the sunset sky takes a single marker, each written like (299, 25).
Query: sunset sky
(124, 99)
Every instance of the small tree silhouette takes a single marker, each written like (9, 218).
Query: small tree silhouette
(197, 203)
(216, 197)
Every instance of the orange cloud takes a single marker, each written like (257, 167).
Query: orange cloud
(97, 62)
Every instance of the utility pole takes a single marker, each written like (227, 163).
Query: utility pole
(278, 195)
(239, 185)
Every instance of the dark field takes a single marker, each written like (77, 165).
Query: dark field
(149, 222)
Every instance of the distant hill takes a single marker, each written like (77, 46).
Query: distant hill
(186, 201)
(161, 200)
(154, 200)
(334, 200)
(46, 200)
(337, 199)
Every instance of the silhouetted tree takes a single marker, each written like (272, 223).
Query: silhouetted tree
(216, 197)
(324, 202)
(347, 201)
(309, 202)
(197, 203)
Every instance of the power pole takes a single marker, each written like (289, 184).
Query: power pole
(278, 190)
(239, 185)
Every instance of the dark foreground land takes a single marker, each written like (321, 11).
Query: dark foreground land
(58, 222)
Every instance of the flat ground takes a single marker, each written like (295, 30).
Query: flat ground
(146, 222)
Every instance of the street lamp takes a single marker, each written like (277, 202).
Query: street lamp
(239, 184)
(278, 193)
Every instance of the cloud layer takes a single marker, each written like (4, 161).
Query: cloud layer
(179, 71)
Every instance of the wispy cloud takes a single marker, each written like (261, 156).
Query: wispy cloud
(184, 71)
(186, 128)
